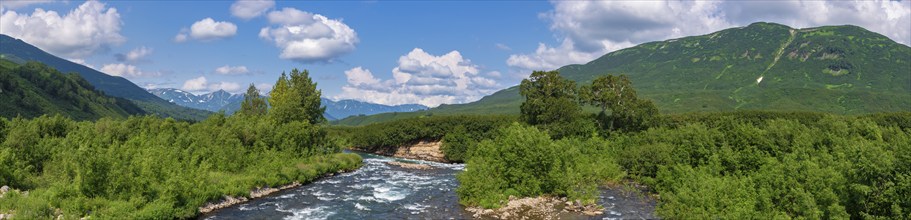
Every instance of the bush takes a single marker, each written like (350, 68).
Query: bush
(523, 161)
(775, 165)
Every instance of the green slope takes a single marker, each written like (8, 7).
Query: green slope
(19, 51)
(34, 89)
(836, 69)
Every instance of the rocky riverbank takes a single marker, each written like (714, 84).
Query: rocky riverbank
(228, 201)
(542, 207)
(428, 150)
(416, 166)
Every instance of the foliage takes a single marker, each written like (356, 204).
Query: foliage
(523, 161)
(766, 165)
(775, 165)
(549, 98)
(550, 103)
(253, 104)
(616, 93)
(33, 89)
(386, 137)
(296, 99)
(153, 168)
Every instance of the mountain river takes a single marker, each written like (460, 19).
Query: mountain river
(382, 191)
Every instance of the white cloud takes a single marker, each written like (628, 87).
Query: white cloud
(201, 84)
(264, 88)
(227, 86)
(207, 29)
(181, 37)
(307, 37)
(248, 9)
(82, 62)
(195, 84)
(86, 30)
(421, 78)
(503, 47)
(135, 55)
(587, 30)
(231, 70)
(359, 76)
(15, 4)
(126, 70)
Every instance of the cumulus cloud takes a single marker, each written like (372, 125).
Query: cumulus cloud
(420, 78)
(231, 70)
(135, 55)
(201, 84)
(195, 84)
(207, 29)
(126, 70)
(248, 9)
(587, 30)
(15, 4)
(307, 37)
(86, 30)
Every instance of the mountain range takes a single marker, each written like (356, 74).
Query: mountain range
(18, 51)
(213, 101)
(223, 101)
(763, 66)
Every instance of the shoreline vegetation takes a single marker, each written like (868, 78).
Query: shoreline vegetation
(146, 167)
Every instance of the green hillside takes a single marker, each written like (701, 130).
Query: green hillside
(20, 52)
(836, 69)
(34, 89)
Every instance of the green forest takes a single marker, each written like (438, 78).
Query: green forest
(145, 167)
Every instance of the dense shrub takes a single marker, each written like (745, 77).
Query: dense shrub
(153, 168)
(523, 161)
(775, 165)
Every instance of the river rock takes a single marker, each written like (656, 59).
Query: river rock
(227, 201)
(410, 165)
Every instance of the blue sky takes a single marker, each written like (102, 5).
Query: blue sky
(388, 52)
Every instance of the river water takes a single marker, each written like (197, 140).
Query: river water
(382, 191)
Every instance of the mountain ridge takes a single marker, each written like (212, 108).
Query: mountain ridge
(229, 103)
(763, 66)
(34, 89)
(20, 51)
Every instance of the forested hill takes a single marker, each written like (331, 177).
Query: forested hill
(763, 66)
(34, 89)
(20, 52)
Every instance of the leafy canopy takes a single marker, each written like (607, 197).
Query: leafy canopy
(296, 99)
(253, 104)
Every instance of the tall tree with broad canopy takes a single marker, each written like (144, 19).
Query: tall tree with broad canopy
(551, 103)
(296, 98)
(616, 93)
(253, 104)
